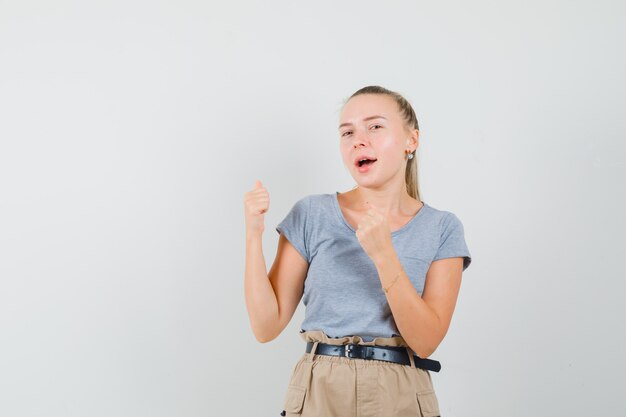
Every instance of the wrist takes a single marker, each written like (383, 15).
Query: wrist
(253, 235)
(386, 288)
(386, 259)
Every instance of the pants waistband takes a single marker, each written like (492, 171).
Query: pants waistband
(394, 354)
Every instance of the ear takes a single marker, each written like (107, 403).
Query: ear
(413, 139)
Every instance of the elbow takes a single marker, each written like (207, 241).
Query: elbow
(425, 353)
(267, 330)
(264, 337)
(424, 350)
(426, 346)
(422, 353)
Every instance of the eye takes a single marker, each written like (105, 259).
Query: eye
(377, 125)
(344, 133)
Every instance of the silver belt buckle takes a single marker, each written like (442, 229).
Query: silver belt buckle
(347, 350)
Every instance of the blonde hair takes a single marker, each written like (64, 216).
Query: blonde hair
(408, 114)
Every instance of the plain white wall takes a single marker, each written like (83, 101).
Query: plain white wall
(131, 130)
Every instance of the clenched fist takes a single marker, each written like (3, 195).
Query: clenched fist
(374, 234)
(256, 203)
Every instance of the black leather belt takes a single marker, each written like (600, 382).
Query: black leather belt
(396, 354)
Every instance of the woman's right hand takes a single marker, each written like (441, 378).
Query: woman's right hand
(256, 204)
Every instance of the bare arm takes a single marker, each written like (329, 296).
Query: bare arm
(260, 297)
(423, 321)
(271, 299)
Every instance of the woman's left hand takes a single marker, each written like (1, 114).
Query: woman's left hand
(374, 235)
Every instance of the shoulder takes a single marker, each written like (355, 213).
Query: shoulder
(311, 204)
(440, 216)
(444, 220)
(312, 201)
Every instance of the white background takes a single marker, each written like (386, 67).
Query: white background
(131, 130)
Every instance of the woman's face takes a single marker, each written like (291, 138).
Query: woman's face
(371, 126)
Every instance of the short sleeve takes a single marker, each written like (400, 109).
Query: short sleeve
(294, 226)
(452, 242)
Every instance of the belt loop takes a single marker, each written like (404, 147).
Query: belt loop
(411, 357)
(313, 350)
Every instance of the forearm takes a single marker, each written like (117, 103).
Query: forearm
(261, 300)
(417, 322)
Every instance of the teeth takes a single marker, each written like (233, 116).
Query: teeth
(360, 161)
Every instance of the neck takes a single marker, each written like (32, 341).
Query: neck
(389, 201)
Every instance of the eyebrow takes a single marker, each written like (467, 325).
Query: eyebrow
(365, 120)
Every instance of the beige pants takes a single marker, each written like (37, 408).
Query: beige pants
(337, 386)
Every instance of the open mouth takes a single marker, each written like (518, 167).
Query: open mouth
(366, 162)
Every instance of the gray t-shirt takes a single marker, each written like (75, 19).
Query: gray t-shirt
(343, 295)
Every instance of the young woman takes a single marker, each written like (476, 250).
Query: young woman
(382, 269)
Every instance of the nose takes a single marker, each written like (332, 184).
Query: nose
(358, 139)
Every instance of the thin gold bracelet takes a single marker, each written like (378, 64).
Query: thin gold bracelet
(394, 281)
